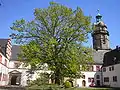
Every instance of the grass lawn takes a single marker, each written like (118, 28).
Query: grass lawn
(54, 87)
(93, 89)
(39, 88)
(96, 89)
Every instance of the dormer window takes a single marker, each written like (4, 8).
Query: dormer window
(114, 58)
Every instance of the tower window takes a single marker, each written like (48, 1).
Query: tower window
(104, 40)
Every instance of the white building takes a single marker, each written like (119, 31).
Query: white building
(111, 75)
(5, 53)
(110, 69)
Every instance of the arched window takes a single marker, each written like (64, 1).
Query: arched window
(83, 76)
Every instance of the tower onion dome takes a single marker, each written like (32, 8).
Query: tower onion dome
(99, 27)
(99, 21)
(98, 17)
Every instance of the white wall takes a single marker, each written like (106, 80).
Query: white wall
(88, 75)
(110, 74)
(25, 75)
(4, 70)
(22, 66)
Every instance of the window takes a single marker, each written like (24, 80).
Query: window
(98, 77)
(0, 76)
(89, 79)
(110, 68)
(16, 64)
(114, 78)
(5, 77)
(104, 69)
(92, 79)
(104, 39)
(106, 79)
(0, 58)
(89, 68)
(114, 58)
(97, 68)
(83, 76)
(5, 62)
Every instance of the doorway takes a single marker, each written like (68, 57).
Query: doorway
(83, 83)
(71, 83)
(13, 80)
(98, 82)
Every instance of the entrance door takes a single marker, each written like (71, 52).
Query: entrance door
(98, 82)
(71, 83)
(13, 80)
(83, 83)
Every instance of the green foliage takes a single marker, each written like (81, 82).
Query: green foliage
(42, 80)
(67, 84)
(55, 37)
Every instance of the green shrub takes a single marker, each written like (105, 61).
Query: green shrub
(67, 84)
(45, 87)
(42, 80)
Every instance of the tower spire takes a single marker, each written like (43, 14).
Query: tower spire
(98, 17)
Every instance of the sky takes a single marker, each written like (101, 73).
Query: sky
(11, 10)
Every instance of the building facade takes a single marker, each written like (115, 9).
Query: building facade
(110, 69)
(5, 53)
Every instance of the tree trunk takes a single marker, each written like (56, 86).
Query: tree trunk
(58, 77)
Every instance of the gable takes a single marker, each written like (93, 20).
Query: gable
(15, 71)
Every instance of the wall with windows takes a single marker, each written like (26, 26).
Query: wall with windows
(111, 75)
(4, 77)
(91, 76)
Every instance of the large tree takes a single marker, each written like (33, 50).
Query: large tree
(55, 37)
